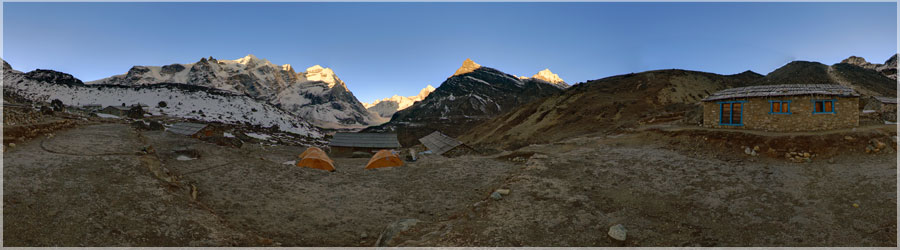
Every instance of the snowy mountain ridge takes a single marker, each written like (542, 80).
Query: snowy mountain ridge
(388, 106)
(316, 94)
(198, 103)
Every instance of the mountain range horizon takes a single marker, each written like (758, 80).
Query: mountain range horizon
(287, 66)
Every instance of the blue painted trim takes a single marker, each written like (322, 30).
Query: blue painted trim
(833, 107)
(783, 102)
(731, 118)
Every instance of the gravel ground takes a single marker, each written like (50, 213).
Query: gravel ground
(572, 192)
(245, 197)
(95, 186)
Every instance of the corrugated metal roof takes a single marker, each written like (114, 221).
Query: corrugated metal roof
(186, 128)
(884, 99)
(783, 90)
(439, 143)
(365, 140)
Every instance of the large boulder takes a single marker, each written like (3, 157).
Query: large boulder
(136, 112)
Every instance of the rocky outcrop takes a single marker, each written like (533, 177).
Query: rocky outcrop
(859, 61)
(888, 69)
(54, 77)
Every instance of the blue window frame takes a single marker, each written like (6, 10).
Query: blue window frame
(824, 107)
(779, 107)
(731, 113)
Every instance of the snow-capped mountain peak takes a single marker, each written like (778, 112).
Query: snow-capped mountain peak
(326, 75)
(548, 76)
(388, 106)
(467, 66)
(424, 92)
(248, 59)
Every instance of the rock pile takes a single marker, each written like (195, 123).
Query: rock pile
(799, 157)
(875, 146)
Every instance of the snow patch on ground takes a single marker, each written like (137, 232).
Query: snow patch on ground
(263, 137)
(102, 115)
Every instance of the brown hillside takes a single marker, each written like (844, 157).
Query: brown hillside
(605, 105)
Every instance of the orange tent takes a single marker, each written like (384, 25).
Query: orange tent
(314, 157)
(384, 158)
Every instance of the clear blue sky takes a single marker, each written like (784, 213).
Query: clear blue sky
(382, 49)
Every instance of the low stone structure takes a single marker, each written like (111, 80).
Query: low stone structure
(790, 107)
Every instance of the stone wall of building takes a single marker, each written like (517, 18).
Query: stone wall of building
(756, 114)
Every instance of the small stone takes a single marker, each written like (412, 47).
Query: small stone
(855, 205)
(393, 229)
(748, 151)
(496, 196)
(12, 145)
(849, 138)
(756, 148)
(503, 191)
(805, 155)
(618, 232)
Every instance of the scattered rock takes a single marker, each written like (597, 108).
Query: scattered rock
(617, 232)
(188, 152)
(194, 192)
(496, 195)
(155, 125)
(360, 155)
(12, 145)
(46, 110)
(539, 156)
(849, 138)
(140, 125)
(136, 112)
(393, 229)
(755, 148)
(503, 191)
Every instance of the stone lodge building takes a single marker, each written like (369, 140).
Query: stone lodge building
(789, 107)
